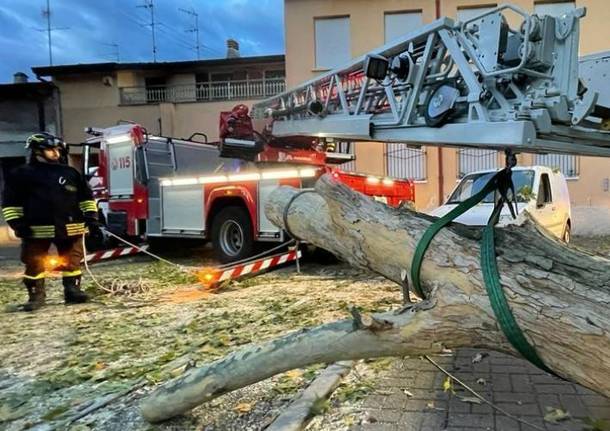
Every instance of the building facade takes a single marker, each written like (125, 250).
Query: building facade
(322, 34)
(172, 98)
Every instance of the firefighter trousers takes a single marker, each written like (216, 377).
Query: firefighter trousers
(34, 254)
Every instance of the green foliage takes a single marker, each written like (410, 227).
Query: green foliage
(353, 392)
(525, 194)
(597, 425)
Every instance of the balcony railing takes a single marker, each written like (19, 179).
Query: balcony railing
(203, 91)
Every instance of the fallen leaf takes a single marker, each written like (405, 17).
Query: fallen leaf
(556, 415)
(471, 400)
(294, 374)
(407, 393)
(479, 357)
(448, 385)
(243, 407)
(100, 366)
(430, 406)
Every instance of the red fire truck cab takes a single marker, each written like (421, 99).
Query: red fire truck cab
(161, 187)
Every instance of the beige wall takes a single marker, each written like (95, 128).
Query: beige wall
(366, 27)
(367, 32)
(88, 102)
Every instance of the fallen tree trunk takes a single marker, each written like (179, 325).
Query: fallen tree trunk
(558, 295)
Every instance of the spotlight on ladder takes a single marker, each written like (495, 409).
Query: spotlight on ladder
(376, 67)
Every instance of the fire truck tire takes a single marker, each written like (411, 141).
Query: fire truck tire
(232, 235)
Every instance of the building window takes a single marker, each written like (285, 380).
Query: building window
(332, 41)
(567, 164)
(466, 13)
(156, 89)
(398, 24)
(554, 8)
(222, 77)
(403, 161)
(475, 159)
(275, 74)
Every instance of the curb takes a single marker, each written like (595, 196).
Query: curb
(294, 417)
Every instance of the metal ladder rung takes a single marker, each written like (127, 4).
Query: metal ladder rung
(161, 164)
(149, 150)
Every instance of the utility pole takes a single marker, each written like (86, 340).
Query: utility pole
(194, 29)
(46, 13)
(150, 5)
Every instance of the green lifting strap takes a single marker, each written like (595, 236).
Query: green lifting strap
(430, 233)
(491, 277)
(498, 301)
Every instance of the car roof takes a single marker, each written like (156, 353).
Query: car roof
(536, 168)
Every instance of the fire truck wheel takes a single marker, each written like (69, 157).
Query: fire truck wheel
(232, 235)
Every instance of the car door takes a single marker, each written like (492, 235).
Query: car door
(546, 210)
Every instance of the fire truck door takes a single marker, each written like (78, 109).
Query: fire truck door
(182, 210)
(120, 166)
(267, 230)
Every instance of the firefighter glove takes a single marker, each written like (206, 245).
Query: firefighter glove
(95, 227)
(22, 230)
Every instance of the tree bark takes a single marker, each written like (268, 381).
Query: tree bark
(559, 296)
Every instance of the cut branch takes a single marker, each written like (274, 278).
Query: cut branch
(559, 297)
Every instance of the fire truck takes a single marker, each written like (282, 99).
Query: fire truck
(153, 187)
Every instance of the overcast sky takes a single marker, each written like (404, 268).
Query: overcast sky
(94, 25)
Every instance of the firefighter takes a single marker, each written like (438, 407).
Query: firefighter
(48, 202)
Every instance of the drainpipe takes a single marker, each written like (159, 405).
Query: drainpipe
(441, 192)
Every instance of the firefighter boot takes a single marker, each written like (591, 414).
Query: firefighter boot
(72, 292)
(36, 294)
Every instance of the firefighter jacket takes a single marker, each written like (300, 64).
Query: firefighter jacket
(53, 200)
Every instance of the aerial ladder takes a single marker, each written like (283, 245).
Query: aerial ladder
(479, 83)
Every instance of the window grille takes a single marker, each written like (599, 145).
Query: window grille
(406, 162)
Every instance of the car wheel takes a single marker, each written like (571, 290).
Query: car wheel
(567, 234)
(232, 236)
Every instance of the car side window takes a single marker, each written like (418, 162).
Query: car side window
(544, 191)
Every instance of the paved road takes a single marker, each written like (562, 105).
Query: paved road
(512, 384)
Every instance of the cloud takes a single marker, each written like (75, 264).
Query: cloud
(93, 26)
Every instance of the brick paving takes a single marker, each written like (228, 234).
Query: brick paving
(409, 396)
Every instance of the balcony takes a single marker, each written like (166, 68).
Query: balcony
(203, 91)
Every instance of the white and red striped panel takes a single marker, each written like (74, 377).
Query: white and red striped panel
(114, 253)
(211, 276)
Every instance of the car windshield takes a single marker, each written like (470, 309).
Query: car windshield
(472, 184)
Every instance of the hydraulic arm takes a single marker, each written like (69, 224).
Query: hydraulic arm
(479, 83)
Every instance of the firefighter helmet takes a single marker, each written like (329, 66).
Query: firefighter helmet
(44, 140)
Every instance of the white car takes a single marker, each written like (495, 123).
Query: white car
(541, 191)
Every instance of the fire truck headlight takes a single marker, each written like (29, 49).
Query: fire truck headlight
(271, 175)
(245, 177)
(307, 173)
